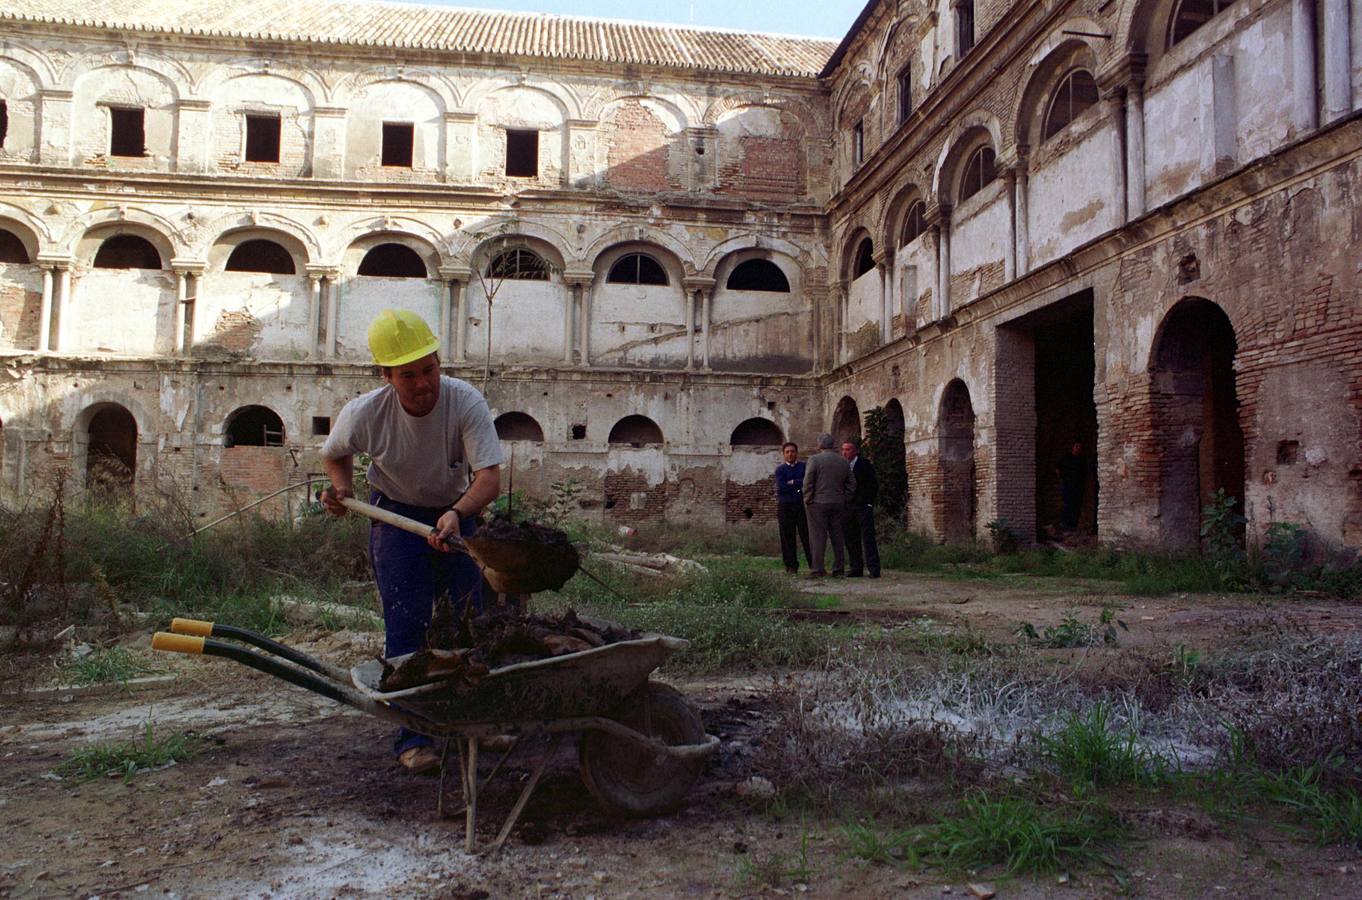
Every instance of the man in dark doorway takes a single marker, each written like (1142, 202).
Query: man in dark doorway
(790, 508)
(828, 488)
(863, 553)
(1073, 485)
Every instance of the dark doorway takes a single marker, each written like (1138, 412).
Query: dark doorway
(254, 426)
(12, 250)
(260, 255)
(892, 469)
(846, 421)
(635, 431)
(111, 453)
(955, 450)
(1065, 416)
(392, 261)
(518, 426)
(756, 433)
(127, 251)
(1196, 418)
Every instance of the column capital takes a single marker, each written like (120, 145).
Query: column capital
(193, 104)
(455, 273)
(188, 266)
(55, 260)
(698, 283)
(1124, 74)
(56, 94)
(578, 277)
(319, 270)
(939, 215)
(329, 112)
(461, 118)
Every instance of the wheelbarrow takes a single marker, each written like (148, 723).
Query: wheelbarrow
(641, 745)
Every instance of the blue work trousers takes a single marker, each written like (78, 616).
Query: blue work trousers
(410, 576)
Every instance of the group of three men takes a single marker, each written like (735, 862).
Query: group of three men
(830, 496)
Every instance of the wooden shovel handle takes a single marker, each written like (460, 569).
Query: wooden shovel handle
(398, 521)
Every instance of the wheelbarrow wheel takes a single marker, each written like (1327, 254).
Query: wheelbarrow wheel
(626, 778)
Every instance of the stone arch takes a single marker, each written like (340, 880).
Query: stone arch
(166, 69)
(300, 240)
(95, 235)
(167, 239)
(667, 111)
(955, 461)
(253, 425)
(20, 88)
(567, 102)
(1061, 54)
(813, 117)
(891, 224)
(893, 472)
(351, 87)
(360, 247)
(677, 252)
(757, 432)
(846, 420)
(104, 437)
(636, 431)
(851, 247)
(676, 272)
(788, 266)
(853, 90)
(1195, 409)
(37, 66)
(773, 245)
(969, 132)
(308, 82)
(494, 245)
(229, 241)
(518, 426)
(24, 231)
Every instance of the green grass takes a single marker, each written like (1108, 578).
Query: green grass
(1009, 832)
(1332, 815)
(1090, 753)
(128, 758)
(115, 665)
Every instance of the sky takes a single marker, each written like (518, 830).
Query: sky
(827, 19)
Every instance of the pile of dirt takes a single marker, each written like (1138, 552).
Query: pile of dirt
(523, 557)
(462, 651)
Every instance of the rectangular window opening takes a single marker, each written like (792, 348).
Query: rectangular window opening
(964, 21)
(262, 138)
(522, 153)
(398, 139)
(321, 426)
(858, 143)
(4, 122)
(905, 95)
(127, 133)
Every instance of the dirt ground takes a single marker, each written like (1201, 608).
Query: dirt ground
(293, 795)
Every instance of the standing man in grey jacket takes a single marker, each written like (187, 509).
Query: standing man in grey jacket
(828, 488)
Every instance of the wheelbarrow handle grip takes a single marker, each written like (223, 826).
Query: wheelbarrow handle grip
(191, 626)
(177, 643)
(387, 517)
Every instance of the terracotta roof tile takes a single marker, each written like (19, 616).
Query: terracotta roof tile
(444, 28)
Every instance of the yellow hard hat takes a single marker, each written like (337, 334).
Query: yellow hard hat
(397, 337)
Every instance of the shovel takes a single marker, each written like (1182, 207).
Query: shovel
(510, 566)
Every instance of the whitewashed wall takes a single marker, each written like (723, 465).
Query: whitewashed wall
(527, 321)
(276, 305)
(979, 235)
(364, 297)
(1070, 198)
(637, 324)
(120, 311)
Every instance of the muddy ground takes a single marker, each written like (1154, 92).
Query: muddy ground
(292, 795)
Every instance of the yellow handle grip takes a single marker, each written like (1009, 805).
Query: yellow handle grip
(176, 643)
(191, 626)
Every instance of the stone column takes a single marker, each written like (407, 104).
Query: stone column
(1010, 197)
(942, 228)
(1304, 89)
(581, 281)
(569, 316)
(699, 293)
(707, 321)
(1134, 150)
(187, 326)
(193, 135)
(886, 297)
(451, 311)
(333, 298)
(54, 127)
(1337, 60)
(62, 307)
(316, 277)
(328, 142)
(460, 147)
(1115, 102)
(690, 330)
(1021, 213)
(45, 313)
(839, 318)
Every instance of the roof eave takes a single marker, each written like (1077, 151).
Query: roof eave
(836, 59)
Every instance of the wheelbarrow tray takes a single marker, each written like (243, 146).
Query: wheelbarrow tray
(587, 683)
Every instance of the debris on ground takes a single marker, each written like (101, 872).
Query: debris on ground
(653, 564)
(461, 652)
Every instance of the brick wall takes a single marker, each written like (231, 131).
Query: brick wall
(637, 150)
(749, 502)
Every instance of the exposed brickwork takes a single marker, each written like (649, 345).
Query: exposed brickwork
(766, 167)
(749, 502)
(19, 313)
(638, 149)
(629, 497)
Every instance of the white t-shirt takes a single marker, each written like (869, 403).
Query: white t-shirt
(425, 460)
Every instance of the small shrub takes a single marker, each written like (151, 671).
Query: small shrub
(128, 758)
(1006, 541)
(1090, 753)
(1018, 835)
(114, 665)
(1071, 632)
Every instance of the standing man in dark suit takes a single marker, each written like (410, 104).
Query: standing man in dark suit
(790, 508)
(863, 553)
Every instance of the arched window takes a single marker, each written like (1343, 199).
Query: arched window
(518, 426)
(979, 171)
(637, 268)
(758, 275)
(519, 265)
(127, 251)
(12, 250)
(1076, 92)
(635, 431)
(1189, 15)
(260, 255)
(253, 426)
(914, 223)
(865, 258)
(757, 433)
(393, 261)
(111, 452)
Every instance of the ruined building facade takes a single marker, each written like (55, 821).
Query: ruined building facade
(1009, 226)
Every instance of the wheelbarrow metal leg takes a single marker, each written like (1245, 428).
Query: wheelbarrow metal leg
(471, 796)
(525, 794)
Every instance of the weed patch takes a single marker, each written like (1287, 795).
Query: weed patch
(1071, 632)
(1091, 753)
(128, 758)
(114, 665)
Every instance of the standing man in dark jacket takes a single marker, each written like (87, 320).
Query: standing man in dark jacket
(828, 487)
(859, 526)
(790, 508)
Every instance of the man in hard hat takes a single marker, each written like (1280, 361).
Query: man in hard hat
(435, 457)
